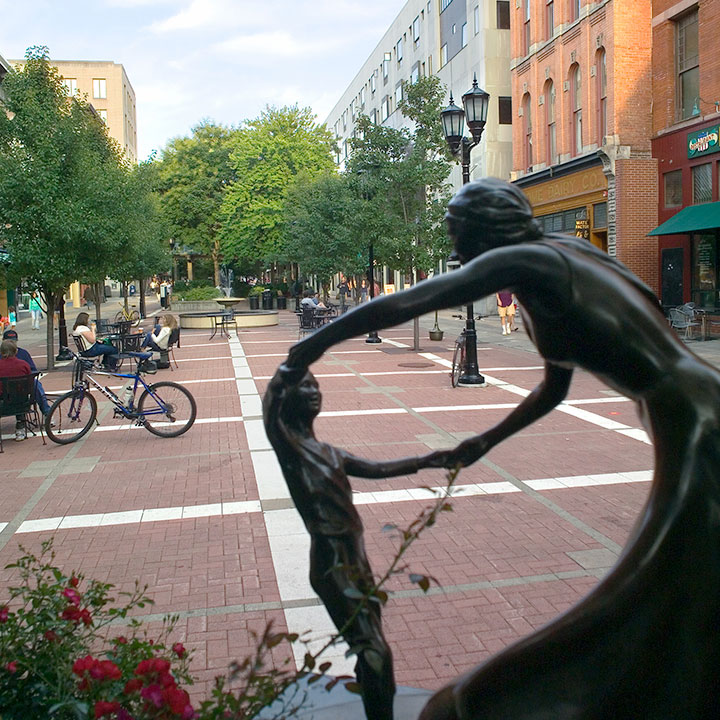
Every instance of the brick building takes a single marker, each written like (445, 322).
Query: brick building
(582, 97)
(686, 145)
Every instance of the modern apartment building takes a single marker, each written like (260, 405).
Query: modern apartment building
(582, 100)
(452, 39)
(109, 91)
(686, 145)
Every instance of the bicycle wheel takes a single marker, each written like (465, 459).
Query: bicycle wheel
(71, 416)
(457, 362)
(179, 414)
(134, 318)
(119, 316)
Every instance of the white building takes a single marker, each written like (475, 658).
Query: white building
(452, 39)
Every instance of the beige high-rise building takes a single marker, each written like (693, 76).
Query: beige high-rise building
(108, 90)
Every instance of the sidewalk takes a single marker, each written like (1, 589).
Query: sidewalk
(207, 522)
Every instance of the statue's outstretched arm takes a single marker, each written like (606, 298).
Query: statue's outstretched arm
(360, 467)
(546, 396)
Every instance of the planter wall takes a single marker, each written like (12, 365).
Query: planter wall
(181, 306)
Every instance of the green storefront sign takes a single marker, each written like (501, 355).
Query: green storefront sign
(703, 142)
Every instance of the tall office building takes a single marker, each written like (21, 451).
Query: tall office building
(109, 91)
(453, 39)
(582, 99)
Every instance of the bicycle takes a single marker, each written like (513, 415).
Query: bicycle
(458, 361)
(125, 315)
(165, 408)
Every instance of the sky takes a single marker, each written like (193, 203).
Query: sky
(223, 60)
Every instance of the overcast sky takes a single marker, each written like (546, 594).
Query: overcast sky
(219, 59)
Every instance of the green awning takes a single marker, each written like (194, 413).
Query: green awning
(695, 218)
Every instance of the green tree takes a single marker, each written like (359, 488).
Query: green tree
(322, 229)
(60, 179)
(194, 174)
(268, 154)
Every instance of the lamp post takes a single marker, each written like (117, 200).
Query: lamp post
(366, 193)
(475, 103)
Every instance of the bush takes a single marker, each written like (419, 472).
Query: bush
(200, 293)
(256, 290)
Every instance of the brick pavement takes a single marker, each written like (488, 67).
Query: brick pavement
(206, 521)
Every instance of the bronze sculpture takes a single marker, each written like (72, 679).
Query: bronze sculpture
(643, 643)
(316, 475)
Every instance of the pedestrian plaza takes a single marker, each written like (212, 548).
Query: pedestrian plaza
(207, 522)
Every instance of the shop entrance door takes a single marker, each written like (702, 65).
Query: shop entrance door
(672, 277)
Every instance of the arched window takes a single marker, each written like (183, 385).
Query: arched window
(527, 117)
(601, 78)
(576, 106)
(550, 131)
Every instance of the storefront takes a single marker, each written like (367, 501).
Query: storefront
(689, 211)
(571, 198)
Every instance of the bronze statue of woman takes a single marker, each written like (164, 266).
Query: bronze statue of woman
(644, 643)
(316, 475)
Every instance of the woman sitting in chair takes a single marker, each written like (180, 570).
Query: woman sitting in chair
(86, 339)
(159, 338)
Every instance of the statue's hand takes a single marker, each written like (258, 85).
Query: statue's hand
(437, 459)
(288, 375)
(467, 452)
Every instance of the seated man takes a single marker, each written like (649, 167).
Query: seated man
(310, 299)
(12, 366)
(23, 354)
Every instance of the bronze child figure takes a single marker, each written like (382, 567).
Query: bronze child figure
(316, 475)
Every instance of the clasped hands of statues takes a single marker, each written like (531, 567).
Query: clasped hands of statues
(465, 454)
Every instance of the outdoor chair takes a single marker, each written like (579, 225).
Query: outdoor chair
(167, 357)
(18, 398)
(681, 321)
(307, 322)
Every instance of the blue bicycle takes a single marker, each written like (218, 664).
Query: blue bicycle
(164, 408)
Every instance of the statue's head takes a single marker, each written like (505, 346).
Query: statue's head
(486, 214)
(303, 401)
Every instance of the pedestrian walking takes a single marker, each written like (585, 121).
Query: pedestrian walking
(506, 311)
(35, 310)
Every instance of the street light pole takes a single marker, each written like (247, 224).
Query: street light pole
(475, 103)
(372, 335)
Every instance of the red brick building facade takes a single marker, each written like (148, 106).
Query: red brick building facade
(582, 100)
(686, 144)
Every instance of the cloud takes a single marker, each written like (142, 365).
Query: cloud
(210, 14)
(275, 44)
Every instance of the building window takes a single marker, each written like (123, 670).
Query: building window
(416, 30)
(505, 110)
(600, 215)
(576, 104)
(344, 119)
(443, 55)
(398, 93)
(702, 183)
(415, 73)
(672, 185)
(476, 19)
(526, 27)
(386, 66)
(443, 5)
(527, 120)
(399, 49)
(372, 83)
(464, 35)
(99, 89)
(502, 8)
(373, 116)
(574, 10)
(362, 96)
(688, 65)
(103, 115)
(601, 80)
(385, 108)
(551, 132)
(70, 85)
(549, 19)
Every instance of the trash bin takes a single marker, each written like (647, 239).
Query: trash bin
(107, 291)
(254, 302)
(267, 299)
(281, 302)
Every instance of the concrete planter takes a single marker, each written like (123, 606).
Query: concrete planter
(183, 306)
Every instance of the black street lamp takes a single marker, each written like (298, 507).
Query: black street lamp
(367, 194)
(474, 113)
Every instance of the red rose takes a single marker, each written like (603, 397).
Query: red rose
(179, 650)
(177, 700)
(110, 671)
(4, 613)
(73, 596)
(11, 667)
(132, 686)
(154, 694)
(120, 640)
(50, 635)
(85, 616)
(74, 582)
(82, 664)
(104, 708)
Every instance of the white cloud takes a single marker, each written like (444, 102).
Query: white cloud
(208, 14)
(276, 44)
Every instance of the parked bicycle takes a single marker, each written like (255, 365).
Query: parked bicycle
(127, 315)
(165, 409)
(458, 361)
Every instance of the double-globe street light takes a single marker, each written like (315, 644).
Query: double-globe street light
(474, 113)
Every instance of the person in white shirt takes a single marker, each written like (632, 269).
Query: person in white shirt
(88, 341)
(158, 338)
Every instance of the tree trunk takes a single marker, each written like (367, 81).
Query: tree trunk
(141, 304)
(416, 320)
(216, 262)
(124, 286)
(98, 295)
(50, 331)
